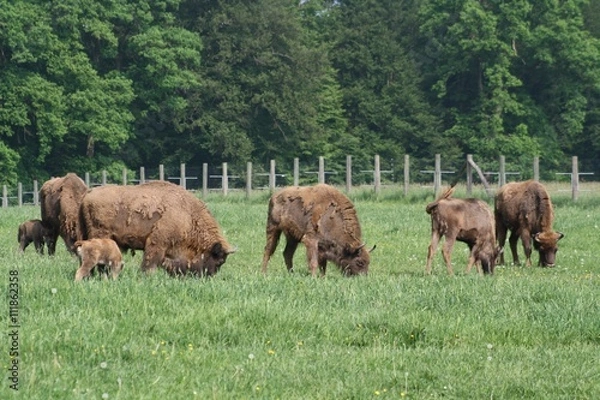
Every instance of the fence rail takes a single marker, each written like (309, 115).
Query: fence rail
(218, 180)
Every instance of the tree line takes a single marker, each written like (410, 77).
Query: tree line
(91, 85)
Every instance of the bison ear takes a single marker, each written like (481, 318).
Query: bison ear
(536, 237)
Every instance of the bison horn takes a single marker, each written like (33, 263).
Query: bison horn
(560, 235)
(373, 248)
(231, 251)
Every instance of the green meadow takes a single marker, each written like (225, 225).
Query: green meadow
(524, 333)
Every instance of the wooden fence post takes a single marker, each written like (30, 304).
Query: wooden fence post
(225, 180)
(296, 171)
(377, 175)
(348, 173)
(469, 174)
(161, 172)
(20, 193)
(502, 172)
(536, 168)
(182, 175)
(248, 179)
(272, 175)
(36, 193)
(142, 175)
(574, 178)
(406, 173)
(204, 179)
(104, 177)
(124, 176)
(437, 175)
(321, 169)
(4, 196)
(87, 179)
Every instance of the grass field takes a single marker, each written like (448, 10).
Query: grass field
(525, 333)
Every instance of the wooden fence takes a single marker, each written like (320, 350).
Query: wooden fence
(32, 197)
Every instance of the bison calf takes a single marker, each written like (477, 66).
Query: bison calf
(95, 252)
(466, 220)
(33, 231)
(325, 221)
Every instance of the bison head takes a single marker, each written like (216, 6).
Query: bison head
(547, 245)
(210, 261)
(355, 261)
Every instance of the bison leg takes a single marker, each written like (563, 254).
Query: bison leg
(115, 268)
(52, 243)
(447, 253)
(322, 265)
(435, 239)
(272, 241)
(153, 257)
(501, 235)
(312, 253)
(513, 240)
(84, 271)
(288, 252)
(39, 246)
(23, 244)
(526, 238)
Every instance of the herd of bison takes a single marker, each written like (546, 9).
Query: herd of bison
(176, 231)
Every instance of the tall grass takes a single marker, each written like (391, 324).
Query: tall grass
(524, 333)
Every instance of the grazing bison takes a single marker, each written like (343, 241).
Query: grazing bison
(466, 220)
(33, 231)
(526, 210)
(161, 218)
(95, 252)
(325, 221)
(60, 199)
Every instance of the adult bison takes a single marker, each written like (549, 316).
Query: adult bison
(466, 220)
(325, 221)
(161, 218)
(60, 199)
(526, 210)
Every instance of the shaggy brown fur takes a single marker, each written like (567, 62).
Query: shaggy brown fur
(161, 218)
(95, 252)
(60, 199)
(466, 220)
(526, 210)
(325, 221)
(33, 231)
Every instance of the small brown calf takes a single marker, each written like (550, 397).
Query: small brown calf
(466, 220)
(33, 231)
(95, 252)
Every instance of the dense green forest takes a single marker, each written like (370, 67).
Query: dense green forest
(107, 84)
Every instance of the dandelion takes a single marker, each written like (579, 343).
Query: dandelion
(251, 356)
(489, 346)
(402, 394)
(103, 364)
(153, 352)
(162, 342)
(377, 393)
(53, 291)
(105, 396)
(271, 351)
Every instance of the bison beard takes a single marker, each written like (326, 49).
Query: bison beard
(466, 220)
(526, 210)
(325, 221)
(174, 228)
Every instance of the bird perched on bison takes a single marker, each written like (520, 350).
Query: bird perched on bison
(60, 199)
(160, 218)
(96, 252)
(33, 231)
(325, 221)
